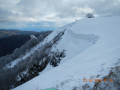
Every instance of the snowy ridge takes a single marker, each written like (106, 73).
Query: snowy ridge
(92, 47)
(47, 39)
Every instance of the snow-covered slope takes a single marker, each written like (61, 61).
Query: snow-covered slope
(92, 47)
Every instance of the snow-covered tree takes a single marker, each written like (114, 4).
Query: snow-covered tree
(90, 15)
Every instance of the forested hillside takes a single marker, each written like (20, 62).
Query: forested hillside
(9, 43)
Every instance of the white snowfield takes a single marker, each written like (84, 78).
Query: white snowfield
(92, 46)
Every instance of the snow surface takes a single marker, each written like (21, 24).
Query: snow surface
(33, 37)
(92, 47)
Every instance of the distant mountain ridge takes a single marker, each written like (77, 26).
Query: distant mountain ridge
(6, 33)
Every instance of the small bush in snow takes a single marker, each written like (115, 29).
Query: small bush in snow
(90, 15)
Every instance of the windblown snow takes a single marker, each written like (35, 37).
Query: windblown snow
(92, 47)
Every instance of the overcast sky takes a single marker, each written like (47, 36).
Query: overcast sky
(49, 14)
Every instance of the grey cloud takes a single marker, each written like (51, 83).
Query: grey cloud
(55, 10)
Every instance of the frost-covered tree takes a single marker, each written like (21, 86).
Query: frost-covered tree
(90, 15)
(40, 59)
(56, 58)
